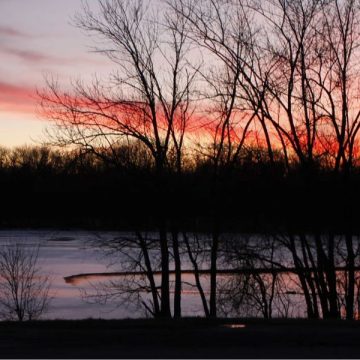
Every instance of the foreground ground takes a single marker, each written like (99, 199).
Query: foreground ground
(188, 338)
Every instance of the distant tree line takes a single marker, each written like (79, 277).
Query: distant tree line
(40, 183)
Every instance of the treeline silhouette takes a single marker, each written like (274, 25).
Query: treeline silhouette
(41, 186)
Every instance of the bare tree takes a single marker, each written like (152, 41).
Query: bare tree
(260, 289)
(148, 95)
(147, 98)
(235, 78)
(24, 290)
(291, 66)
(195, 251)
(326, 277)
(138, 259)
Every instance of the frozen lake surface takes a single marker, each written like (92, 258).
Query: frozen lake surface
(66, 253)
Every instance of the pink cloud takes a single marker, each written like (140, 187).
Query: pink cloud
(31, 56)
(27, 55)
(17, 99)
(9, 31)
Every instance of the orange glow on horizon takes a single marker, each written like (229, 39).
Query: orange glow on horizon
(200, 126)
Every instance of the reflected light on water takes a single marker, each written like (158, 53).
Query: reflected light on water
(235, 326)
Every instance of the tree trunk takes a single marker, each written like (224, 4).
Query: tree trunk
(351, 277)
(177, 260)
(165, 277)
(197, 277)
(150, 275)
(331, 278)
(213, 274)
(319, 276)
(304, 278)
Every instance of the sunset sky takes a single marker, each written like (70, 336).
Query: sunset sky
(37, 39)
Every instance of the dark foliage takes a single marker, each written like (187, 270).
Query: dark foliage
(43, 187)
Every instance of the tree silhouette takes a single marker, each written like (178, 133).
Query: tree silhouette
(148, 98)
(24, 291)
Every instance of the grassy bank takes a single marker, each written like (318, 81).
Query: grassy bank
(187, 338)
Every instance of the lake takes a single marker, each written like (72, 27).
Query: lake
(66, 253)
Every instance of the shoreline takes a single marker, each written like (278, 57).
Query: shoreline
(184, 338)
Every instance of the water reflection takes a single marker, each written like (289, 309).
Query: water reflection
(67, 253)
(64, 253)
(76, 263)
(235, 326)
